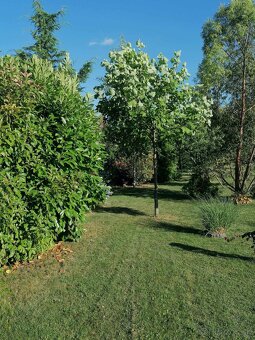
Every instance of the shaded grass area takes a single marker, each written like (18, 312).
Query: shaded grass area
(210, 252)
(147, 192)
(135, 277)
(120, 210)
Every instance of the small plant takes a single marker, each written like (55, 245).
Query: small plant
(217, 216)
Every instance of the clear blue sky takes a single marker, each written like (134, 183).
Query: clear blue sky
(91, 28)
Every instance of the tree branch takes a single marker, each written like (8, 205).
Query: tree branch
(222, 179)
(248, 167)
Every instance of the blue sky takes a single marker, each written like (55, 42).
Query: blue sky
(90, 29)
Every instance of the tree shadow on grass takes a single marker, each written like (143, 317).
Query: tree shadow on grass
(176, 183)
(177, 228)
(163, 194)
(208, 252)
(120, 210)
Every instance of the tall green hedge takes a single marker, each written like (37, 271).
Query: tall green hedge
(50, 157)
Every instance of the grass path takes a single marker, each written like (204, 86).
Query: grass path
(134, 277)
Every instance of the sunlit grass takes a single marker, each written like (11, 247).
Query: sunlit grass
(136, 277)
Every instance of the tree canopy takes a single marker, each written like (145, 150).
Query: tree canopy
(46, 44)
(228, 74)
(143, 98)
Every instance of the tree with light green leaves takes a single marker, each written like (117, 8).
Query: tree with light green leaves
(142, 99)
(228, 74)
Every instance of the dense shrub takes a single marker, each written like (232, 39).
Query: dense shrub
(129, 170)
(168, 168)
(50, 157)
(168, 171)
(199, 185)
(217, 215)
(141, 168)
(117, 172)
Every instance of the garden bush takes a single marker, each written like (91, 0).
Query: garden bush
(168, 167)
(123, 170)
(217, 215)
(117, 172)
(51, 156)
(199, 185)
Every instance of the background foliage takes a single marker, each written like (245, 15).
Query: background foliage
(227, 73)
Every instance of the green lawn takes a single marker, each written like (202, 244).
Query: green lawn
(135, 277)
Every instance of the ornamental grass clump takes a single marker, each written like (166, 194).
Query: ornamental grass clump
(50, 157)
(217, 216)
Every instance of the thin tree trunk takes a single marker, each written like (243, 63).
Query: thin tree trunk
(155, 168)
(134, 172)
(180, 160)
(248, 168)
(238, 163)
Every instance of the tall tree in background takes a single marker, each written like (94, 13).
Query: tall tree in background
(142, 99)
(46, 44)
(228, 74)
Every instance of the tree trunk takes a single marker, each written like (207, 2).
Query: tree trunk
(155, 168)
(180, 160)
(134, 172)
(239, 187)
(248, 168)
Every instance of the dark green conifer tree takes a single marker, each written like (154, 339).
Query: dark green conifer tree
(45, 43)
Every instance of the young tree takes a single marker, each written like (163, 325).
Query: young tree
(142, 98)
(228, 74)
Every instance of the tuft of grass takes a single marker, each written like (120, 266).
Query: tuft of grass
(217, 214)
